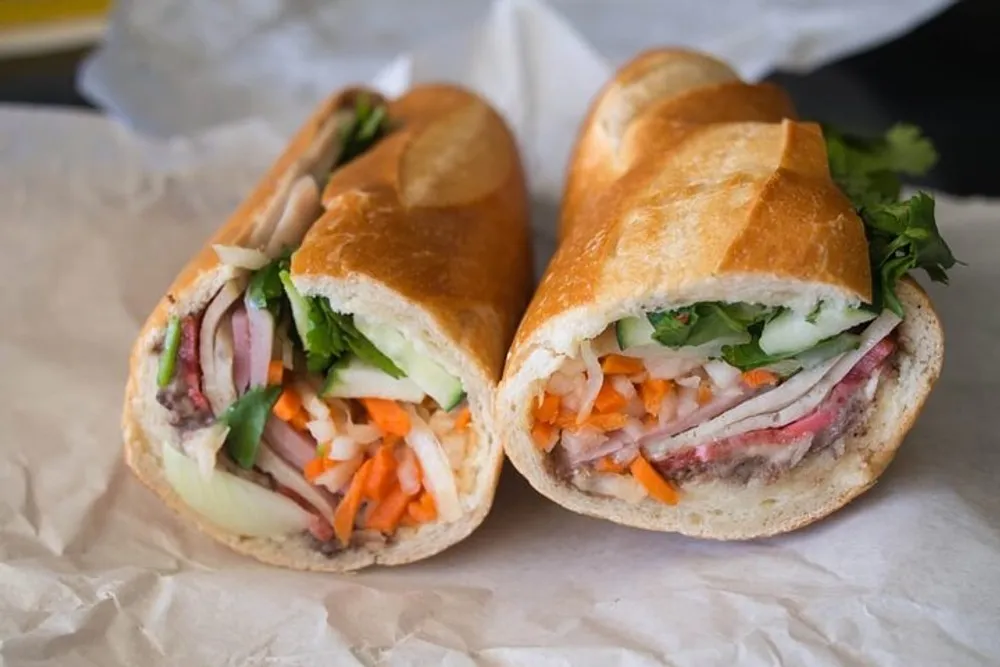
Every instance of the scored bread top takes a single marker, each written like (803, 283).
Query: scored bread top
(437, 213)
(688, 185)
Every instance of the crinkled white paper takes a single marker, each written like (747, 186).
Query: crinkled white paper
(178, 66)
(95, 571)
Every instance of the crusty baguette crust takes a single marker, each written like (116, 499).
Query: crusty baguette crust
(433, 221)
(688, 185)
(436, 215)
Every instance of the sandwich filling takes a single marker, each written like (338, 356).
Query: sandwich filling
(744, 392)
(291, 417)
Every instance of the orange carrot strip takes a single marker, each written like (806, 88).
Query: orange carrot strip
(275, 372)
(759, 377)
(301, 420)
(548, 410)
(606, 422)
(288, 405)
(347, 509)
(651, 480)
(566, 419)
(608, 464)
(463, 419)
(383, 473)
(388, 415)
(653, 392)
(316, 467)
(542, 434)
(423, 509)
(617, 364)
(704, 393)
(386, 515)
(609, 400)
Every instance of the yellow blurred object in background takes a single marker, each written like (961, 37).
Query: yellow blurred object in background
(21, 13)
(34, 26)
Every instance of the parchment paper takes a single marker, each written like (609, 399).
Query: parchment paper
(94, 571)
(176, 66)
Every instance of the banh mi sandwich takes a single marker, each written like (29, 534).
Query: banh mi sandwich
(725, 343)
(316, 388)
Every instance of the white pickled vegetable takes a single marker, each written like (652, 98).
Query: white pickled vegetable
(241, 258)
(233, 503)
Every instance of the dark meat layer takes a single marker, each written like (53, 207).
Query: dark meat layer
(183, 399)
(767, 453)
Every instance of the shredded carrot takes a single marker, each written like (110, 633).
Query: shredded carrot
(388, 415)
(386, 515)
(651, 480)
(650, 420)
(288, 405)
(301, 420)
(347, 509)
(391, 439)
(609, 400)
(316, 467)
(759, 377)
(542, 434)
(548, 409)
(566, 419)
(608, 422)
(608, 464)
(704, 393)
(423, 509)
(383, 473)
(653, 392)
(275, 372)
(463, 419)
(617, 364)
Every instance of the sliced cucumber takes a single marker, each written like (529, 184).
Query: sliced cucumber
(436, 382)
(633, 332)
(357, 379)
(231, 502)
(792, 332)
(300, 307)
(828, 349)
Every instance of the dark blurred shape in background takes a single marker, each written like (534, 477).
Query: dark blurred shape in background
(941, 77)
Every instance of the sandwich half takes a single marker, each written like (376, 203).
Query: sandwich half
(725, 343)
(315, 389)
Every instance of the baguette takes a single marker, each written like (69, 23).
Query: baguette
(688, 186)
(426, 232)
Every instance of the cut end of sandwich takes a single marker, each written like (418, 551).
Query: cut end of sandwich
(316, 389)
(803, 484)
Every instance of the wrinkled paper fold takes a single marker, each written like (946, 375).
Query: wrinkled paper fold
(94, 570)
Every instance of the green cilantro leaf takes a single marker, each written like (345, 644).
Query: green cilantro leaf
(902, 235)
(367, 125)
(265, 289)
(705, 322)
(245, 419)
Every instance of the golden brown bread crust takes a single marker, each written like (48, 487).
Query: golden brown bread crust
(696, 178)
(437, 214)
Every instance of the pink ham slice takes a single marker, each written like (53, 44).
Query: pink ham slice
(293, 447)
(241, 349)
(833, 408)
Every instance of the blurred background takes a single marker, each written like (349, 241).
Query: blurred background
(940, 76)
